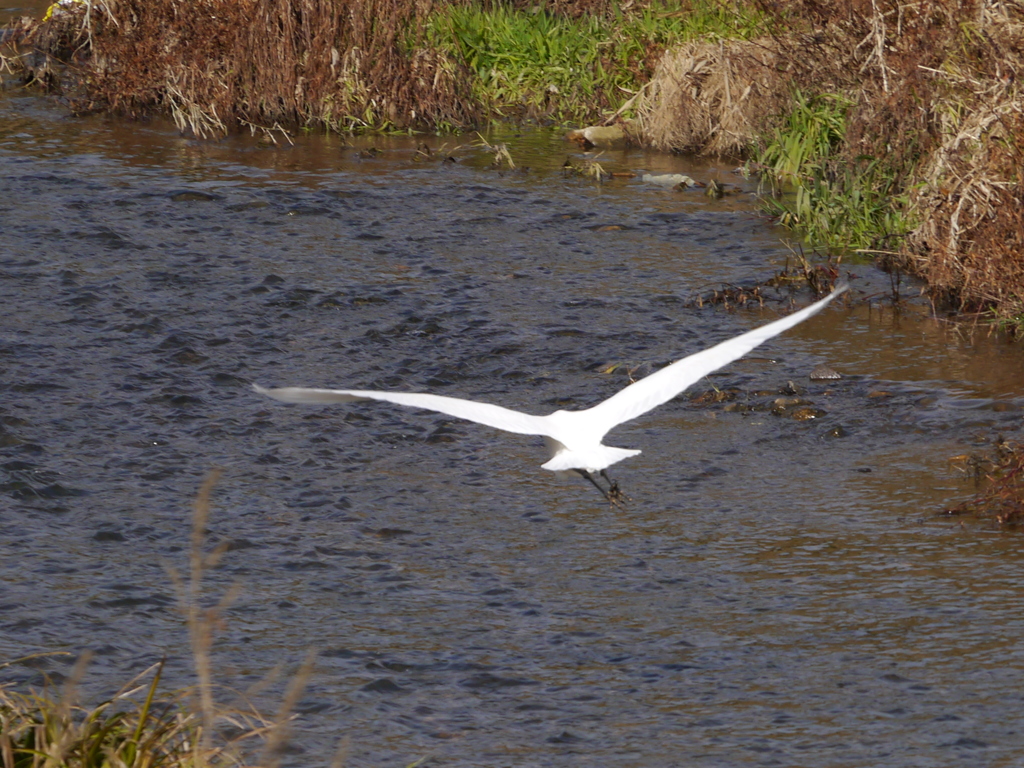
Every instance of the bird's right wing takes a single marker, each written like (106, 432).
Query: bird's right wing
(482, 413)
(661, 386)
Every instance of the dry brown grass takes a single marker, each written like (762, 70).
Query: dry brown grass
(714, 98)
(1001, 499)
(351, 64)
(968, 194)
(936, 97)
(213, 64)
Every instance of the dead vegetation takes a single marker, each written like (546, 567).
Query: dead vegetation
(935, 114)
(714, 98)
(216, 64)
(820, 278)
(1001, 478)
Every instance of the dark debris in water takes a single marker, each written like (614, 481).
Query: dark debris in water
(821, 278)
(737, 400)
(490, 681)
(382, 685)
(1001, 477)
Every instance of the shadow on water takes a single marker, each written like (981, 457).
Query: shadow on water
(778, 592)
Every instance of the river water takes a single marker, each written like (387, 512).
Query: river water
(778, 592)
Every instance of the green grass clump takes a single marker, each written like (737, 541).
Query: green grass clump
(39, 730)
(810, 134)
(837, 203)
(538, 65)
(136, 728)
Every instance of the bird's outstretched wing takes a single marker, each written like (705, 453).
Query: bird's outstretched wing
(661, 386)
(482, 413)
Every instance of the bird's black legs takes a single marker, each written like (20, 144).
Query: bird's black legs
(590, 477)
(615, 496)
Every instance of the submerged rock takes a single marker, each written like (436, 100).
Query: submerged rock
(823, 373)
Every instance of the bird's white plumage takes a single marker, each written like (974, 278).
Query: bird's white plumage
(574, 437)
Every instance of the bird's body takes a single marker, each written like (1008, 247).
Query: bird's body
(574, 437)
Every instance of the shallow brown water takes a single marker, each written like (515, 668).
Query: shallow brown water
(778, 593)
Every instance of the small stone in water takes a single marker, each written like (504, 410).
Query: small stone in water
(823, 373)
(806, 413)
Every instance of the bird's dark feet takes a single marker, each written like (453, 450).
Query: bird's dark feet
(613, 493)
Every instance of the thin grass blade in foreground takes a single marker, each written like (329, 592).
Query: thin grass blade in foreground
(140, 726)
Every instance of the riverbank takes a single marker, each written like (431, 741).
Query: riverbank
(374, 66)
(893, 132)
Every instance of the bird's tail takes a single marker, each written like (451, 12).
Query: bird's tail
(592, 459)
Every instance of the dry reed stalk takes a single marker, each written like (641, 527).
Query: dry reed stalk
(277, 736)
(203, 624)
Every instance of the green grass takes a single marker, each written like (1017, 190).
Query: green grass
(811, 133)
(840, 204)
(536, 65)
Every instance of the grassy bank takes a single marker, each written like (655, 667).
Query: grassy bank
(365, 65)
(889, 128)
(576, 64)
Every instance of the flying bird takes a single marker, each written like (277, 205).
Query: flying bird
(573, 438)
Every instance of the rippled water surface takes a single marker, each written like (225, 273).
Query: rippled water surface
(779, 591)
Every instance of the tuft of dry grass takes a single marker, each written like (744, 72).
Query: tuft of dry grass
(55, 732)
(713, 98)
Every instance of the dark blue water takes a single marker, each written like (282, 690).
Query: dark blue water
(779, 591)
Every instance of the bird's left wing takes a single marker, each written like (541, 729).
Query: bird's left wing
(482, 413)
(661, 386)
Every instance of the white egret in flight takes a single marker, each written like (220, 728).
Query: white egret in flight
(574, 438)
